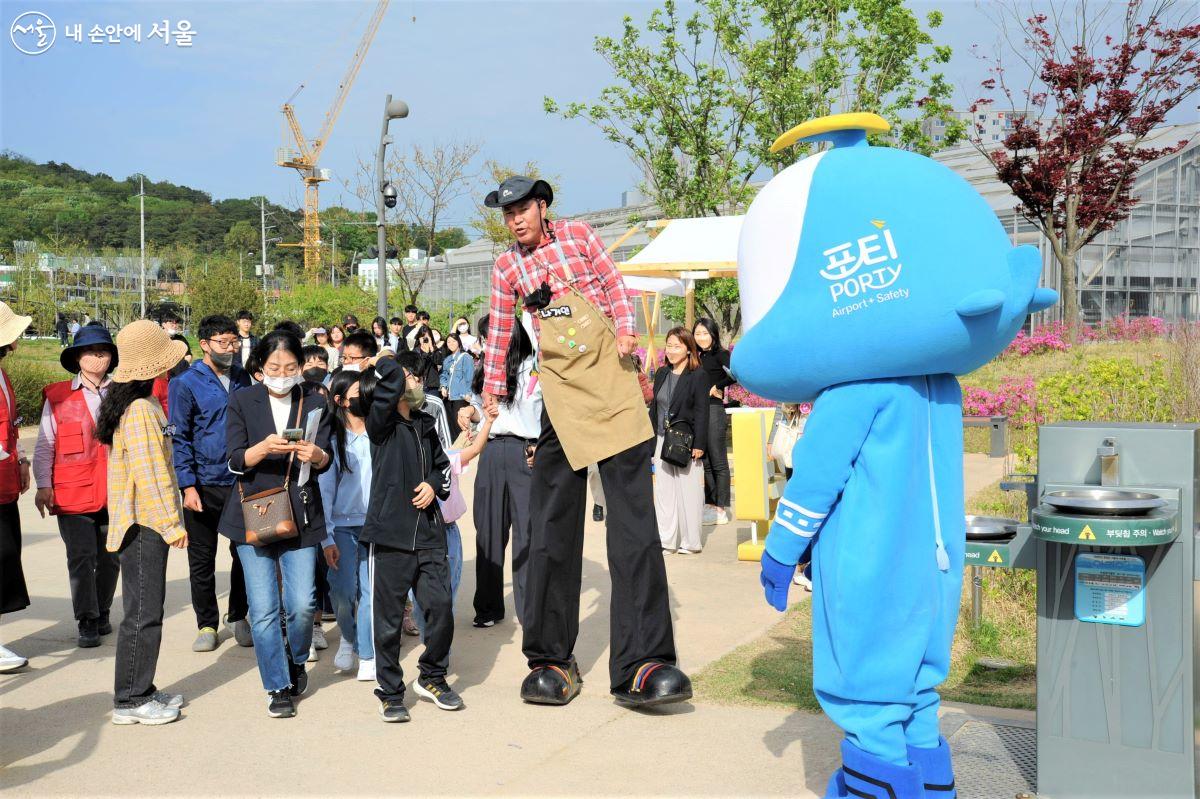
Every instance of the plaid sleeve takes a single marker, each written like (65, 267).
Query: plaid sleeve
(501, 310)
(156, 496)
(619, 304)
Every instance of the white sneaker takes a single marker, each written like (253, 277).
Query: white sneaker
(366, 670)
(344, 659)
(722, 516)
(318, 639)
(152, 713)
(710, 515)
(10, 660)
(683, 551)
(313, 654)
(799, 579)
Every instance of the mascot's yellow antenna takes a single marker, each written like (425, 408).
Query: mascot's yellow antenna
(859, 124)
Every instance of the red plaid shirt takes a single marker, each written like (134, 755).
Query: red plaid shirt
(595, 275)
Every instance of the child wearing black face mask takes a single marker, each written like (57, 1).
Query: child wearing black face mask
(315, 370)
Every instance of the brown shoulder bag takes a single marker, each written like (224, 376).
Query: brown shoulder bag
(268, 514)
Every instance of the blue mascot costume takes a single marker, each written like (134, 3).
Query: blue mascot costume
(887, 275)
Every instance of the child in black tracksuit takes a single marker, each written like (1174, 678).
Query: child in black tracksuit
(406, 535)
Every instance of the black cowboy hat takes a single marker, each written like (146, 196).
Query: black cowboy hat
(87, 336)
(517, 188)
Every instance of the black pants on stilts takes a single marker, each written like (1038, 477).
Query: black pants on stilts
(640, 626)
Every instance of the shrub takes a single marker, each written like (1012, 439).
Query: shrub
(28, 379)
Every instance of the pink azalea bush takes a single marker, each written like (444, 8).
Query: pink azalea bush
(1053, 337)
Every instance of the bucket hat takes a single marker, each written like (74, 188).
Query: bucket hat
(517, 188)
(12, 325)
(145, 351)
(88, 336)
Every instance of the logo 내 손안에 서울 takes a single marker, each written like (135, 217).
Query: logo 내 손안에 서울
(33, 32)
(856, 268)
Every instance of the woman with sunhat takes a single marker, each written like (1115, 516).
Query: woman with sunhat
(70, 467)
(14, 481)
(145, 515)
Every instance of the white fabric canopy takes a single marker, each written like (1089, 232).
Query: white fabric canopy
(696, 243)
(654, 285)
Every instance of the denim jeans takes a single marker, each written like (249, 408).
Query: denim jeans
(143, 557)
(350, 590)
(454, 555)
(299, 568)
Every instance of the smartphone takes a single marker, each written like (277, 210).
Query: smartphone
(293, 434)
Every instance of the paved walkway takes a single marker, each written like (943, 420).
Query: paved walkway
(55, 735)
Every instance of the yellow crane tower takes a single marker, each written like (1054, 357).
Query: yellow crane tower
(304, 155)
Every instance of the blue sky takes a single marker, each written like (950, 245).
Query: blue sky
(208, 117)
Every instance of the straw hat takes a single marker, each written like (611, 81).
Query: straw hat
(145, 351)
(11, 325)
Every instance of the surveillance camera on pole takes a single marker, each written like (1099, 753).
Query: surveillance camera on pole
(385, 197)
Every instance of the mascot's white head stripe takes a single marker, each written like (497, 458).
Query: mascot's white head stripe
(770, 238)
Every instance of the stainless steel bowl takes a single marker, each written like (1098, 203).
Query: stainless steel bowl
(990, 528)
(1105, 501)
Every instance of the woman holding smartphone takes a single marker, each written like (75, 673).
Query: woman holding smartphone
(267, 450)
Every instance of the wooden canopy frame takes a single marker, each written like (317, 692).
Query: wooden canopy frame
(689, 271)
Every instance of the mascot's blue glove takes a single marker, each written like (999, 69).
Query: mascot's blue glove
(776, 579)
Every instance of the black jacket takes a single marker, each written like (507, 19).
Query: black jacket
(688, 404)
(404, 454)
(715, 363)
(247, 422)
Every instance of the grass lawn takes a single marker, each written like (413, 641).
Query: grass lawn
(776, 669)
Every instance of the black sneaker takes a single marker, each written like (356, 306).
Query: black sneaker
(436, 690)
(280, 704)
(104, 626)
(597, 513)
(484, 623)
(393, 711)
(299, 679)
(89, 633)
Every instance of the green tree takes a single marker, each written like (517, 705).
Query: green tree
(220, 289)
(322, 305)
(698, 100)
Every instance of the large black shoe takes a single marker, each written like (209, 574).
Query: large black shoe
(655, 684)
(89, 633)
(299, 679)
(552, 684)
(280, 704)
(104, 625)
(597, 513)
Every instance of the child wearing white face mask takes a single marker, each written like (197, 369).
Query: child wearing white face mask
(266, 459)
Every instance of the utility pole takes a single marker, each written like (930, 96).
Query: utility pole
(391, 110)
(333, 261)
(262, 208)
(142, 205)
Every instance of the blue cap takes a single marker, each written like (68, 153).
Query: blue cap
(88, 335)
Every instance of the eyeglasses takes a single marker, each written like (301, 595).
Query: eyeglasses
(223, 343)
(347, 358)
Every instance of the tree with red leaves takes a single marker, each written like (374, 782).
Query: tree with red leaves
(1095, 93)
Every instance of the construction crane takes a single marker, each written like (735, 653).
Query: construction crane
(303, 157)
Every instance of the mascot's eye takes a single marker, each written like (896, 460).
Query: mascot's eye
(770, 239)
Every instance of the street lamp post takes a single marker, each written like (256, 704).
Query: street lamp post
(392, 109)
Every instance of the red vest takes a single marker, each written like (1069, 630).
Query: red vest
(160, 393)
(80, 461)
(10, 470)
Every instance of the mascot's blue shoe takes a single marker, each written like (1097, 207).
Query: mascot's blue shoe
(867, 777)
(936, 770)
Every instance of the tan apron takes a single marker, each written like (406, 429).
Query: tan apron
(591, 395)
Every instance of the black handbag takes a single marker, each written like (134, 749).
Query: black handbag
(677, 444)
